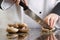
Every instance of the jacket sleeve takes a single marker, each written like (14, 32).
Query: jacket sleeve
(0, 3)
(56, 9)
(6, 4)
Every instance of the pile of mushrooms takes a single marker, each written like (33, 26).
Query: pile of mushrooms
(17, 28)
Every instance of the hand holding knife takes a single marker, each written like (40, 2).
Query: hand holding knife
(41, 22)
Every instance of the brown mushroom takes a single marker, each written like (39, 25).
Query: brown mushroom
(16, 25)
(24, 29)
(24, 25)
(10, 25)
(12, 30)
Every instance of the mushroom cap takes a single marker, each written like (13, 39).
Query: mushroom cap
(12, 29)
(24, 29)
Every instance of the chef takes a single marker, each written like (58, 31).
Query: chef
(47, 9)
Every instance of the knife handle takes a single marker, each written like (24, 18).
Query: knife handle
(23, 5)
(0, 3)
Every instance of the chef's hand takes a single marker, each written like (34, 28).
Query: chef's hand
(51, 19)
(18, 1)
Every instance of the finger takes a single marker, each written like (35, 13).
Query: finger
(47, 20)
(51, 22)
(25, 1)
(55, 20)
(17, 2)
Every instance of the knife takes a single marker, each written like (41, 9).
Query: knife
(0, 3)
(29, 12)
(20, 14)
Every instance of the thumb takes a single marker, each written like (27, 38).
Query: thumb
(47, 20)
(17, 2)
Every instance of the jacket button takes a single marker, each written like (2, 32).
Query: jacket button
(40, 12)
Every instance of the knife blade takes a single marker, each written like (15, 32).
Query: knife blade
(29, 12)
(19, 13)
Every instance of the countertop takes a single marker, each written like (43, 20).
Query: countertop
(33, 34)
